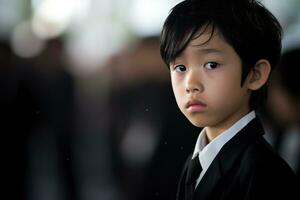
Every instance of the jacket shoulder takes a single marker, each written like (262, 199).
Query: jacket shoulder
(264, 174)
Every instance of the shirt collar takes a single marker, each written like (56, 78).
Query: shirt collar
(208, 151)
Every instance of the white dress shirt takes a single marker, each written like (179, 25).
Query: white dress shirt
(208, 151)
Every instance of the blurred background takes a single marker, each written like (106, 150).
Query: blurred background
(87, 110)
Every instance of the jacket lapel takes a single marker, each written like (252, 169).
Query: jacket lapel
(209, 180)
(227, 158)
(181, 184)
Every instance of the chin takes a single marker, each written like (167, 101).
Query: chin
(197, 123)
(196, 120)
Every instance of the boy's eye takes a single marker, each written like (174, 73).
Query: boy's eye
(180, 68)
(211, 65)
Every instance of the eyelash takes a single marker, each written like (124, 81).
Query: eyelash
(177, 68)
(206, 66)
(209, 68)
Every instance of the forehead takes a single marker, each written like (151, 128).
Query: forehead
(206, 43)
(209, 39)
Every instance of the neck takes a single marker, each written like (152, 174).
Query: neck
(214, 131)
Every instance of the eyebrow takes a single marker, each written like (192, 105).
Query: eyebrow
(204, 51)
(210, 50)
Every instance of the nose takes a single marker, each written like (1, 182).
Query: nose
(193, 83)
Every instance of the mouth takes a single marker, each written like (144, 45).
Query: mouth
(195, 106)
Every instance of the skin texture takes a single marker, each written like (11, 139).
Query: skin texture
(208, 75)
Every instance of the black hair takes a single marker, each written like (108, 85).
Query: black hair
(252, 31)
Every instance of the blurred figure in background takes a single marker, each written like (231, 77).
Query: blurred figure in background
(36, 103)
(14, 128)
(46, 93)
(67, 147)
(144, 122)
(55, 140)
(283, 109)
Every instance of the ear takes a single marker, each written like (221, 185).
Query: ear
(259, 74)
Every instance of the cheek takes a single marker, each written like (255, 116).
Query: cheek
(178, 91)
(224, 93)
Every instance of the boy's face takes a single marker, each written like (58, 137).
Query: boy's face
(206, 80)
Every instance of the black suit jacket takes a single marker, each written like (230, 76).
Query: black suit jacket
(246, 168)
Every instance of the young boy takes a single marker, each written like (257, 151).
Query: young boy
(220, 54)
